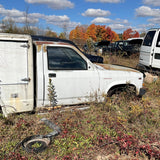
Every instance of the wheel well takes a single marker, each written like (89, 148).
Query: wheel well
(121, 87)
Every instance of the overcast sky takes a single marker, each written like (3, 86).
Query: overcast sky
(55, 14)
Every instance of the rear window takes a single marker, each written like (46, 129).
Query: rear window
(149, 38)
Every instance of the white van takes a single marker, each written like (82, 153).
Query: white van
(150, 51)
(28, 63)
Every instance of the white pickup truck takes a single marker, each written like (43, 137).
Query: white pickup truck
(27, 63)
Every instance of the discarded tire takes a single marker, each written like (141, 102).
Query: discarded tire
(36, 143)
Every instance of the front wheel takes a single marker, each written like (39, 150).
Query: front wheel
(126, 91)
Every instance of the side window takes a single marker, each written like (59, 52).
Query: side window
(149, 38)
(62, 58)
(158, 41)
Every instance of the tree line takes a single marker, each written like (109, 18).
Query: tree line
(100, 32)
(82, 34)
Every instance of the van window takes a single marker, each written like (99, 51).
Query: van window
(149, 38)
(63, 58)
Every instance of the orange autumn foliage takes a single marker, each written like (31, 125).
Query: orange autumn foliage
(95, 32)
(78, 33)
(91, 32)
(100, 31)
(129, 33)
(116, 37)
(108, 35)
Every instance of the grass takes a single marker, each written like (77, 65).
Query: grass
(126, 127)
(131, 61)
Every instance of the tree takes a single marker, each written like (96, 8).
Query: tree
(29, 30)
(120, 36)
(90, 44)
(9, 26)
(100, 31)
(62, 35)
(129, 33)
(108, 35)
(78, 33)
(52, 94)
(94, 33)
(142, 34)
(116, 37)
(91, 32)
(65, 28)
(26, 27)
(78, 36)
(50, 33)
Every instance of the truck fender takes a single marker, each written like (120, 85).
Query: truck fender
(117, 86)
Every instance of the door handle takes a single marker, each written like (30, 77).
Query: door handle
(52, 75)
(26, 79)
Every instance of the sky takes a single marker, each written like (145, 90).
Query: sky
(60, 15)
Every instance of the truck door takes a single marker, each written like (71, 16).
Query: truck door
(156, 53)
(16, 89)
(146, 50)
(74, 80)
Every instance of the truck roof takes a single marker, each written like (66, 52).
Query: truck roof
(93, 58)
(44, 38)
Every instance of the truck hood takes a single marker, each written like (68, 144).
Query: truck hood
(115, 67)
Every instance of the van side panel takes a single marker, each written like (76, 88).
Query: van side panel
(156, 52)
(146, 50)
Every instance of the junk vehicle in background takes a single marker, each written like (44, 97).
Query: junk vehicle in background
(126, 48)
(29, 63)
(97, 48)
(149, 59)
(117, 47)
(123, 47)
(132, 46)
(102, 47)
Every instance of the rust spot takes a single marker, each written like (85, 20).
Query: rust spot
(40, 43)
(38, 48)
(111, 67)
(44, 48)
(62, 43)
(43, 42)
(51, 42)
